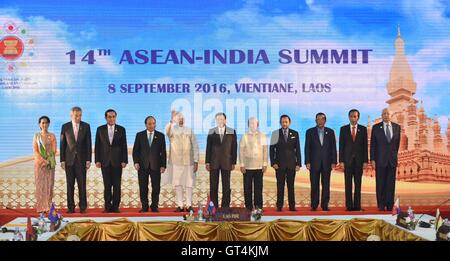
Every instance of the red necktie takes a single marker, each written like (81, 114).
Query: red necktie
(353, 133)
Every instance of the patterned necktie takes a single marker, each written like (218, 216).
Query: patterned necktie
(75, 132)
(285, 135)
(110, 134)
(388, 133)
(353, 133)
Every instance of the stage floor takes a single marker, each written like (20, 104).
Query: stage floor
(21, 222)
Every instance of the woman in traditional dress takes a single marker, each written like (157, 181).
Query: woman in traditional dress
(44, 147)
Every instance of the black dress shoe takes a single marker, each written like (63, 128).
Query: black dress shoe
(116, 210)
(155, 209)
(358, 209)
(380, 209)
(83, 211)
(349, 209)
(292, 209)
(70, 211)
(106, 211)
(177, 210)
(143, 210)
(389, 209)
(325, 209)
(188, 209)
(313, 209)
(279, 209)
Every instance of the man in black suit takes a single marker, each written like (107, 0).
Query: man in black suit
(75, 156)
(320, 159)
(149, 156)
(111, 155)
(353, 157)
(384, 145)
(285, 158)
(220, 158)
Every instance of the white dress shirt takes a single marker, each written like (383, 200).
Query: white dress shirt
(111, 133)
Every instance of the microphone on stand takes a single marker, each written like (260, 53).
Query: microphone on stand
(6, 230)
(426, 224)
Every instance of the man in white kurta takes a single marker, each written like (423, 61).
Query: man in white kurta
(183, 160)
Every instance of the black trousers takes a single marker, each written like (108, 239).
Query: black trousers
(112, 179)
(385, 186)
(317, 177)
(155, 177)
(76, 172)
(214, 187)
(254, 178)
(353, 173)
(285, 176)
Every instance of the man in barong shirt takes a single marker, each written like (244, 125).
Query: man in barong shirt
(253, 159)
(183, 160)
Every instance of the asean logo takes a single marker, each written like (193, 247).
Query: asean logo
(16, 47)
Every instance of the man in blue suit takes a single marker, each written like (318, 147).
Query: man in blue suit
(320, 159)
(384, 144)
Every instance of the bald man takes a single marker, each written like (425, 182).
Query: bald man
(384, 144)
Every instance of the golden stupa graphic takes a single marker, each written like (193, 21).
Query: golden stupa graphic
(424, 155)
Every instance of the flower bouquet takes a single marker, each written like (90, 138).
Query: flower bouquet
(46, 155)
(257, 214)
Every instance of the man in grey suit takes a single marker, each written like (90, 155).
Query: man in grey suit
(221, 155)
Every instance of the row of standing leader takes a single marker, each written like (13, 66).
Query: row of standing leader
(221, 156)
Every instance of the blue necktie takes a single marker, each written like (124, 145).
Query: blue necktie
(150, 139)
(321, 136)
(388, 133)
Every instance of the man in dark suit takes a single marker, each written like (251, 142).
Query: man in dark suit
(320, 159)
(384, 145)
(111, 155)
(75, 156)
(353, 158)
(220, 158)
(149, 156)
(285, 158)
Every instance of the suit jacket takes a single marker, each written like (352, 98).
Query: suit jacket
(349, 149)
(69, 147)
(317, 154)
(381, 151)
(221, 155)
(286, 155)
(114, 153)
(150, 157)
